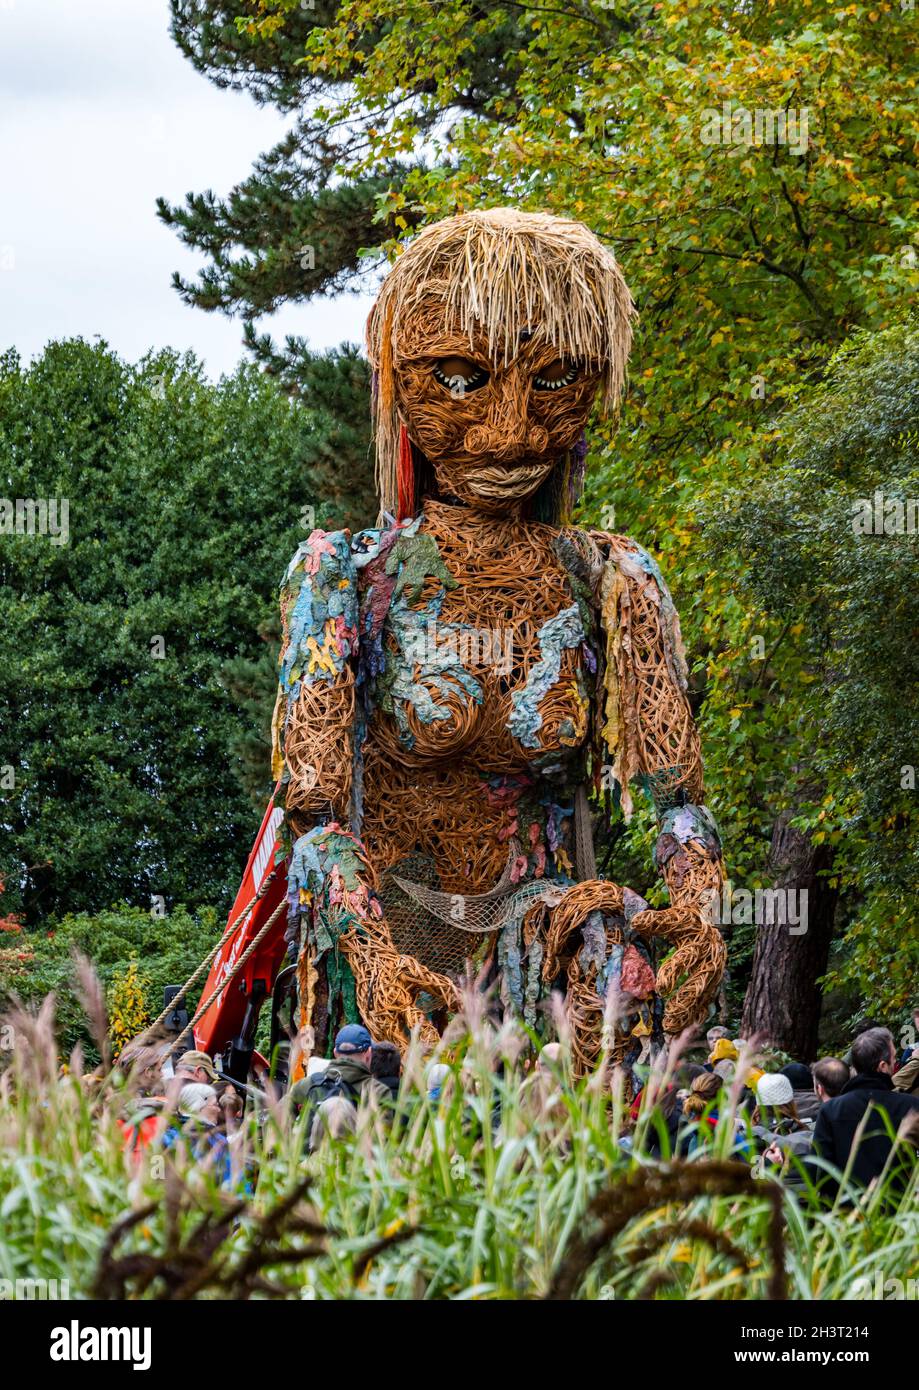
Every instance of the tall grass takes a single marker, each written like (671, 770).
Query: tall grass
(505, 1187)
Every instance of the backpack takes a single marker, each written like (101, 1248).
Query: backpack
(321, 1101)
(329, 1085)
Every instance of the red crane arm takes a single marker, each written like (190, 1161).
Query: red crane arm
(222, 1022)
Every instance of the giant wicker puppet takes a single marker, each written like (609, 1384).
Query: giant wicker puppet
(455, 682)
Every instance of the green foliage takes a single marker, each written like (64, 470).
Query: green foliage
(845, 458)
(301, 196)
(165, 949)
(439, 1205)
(118, 649)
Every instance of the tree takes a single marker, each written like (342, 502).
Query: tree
(831, 537)
(126, 946)
(184, 502)
(782, 1004)
(298, 225)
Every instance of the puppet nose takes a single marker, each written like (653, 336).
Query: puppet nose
(507, 434)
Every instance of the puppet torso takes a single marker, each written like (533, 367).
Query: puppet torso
(480, 715)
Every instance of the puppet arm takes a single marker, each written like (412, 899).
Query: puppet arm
(347, 962)
(649, 730)
(312, 735)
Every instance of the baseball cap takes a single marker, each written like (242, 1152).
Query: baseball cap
(190, 1060)
(353, 1038)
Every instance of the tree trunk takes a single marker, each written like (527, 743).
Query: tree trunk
(782, 1004)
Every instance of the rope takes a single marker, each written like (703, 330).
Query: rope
(208, 959)
(218, 989)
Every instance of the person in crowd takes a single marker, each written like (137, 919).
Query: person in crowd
(701, 1108)
(347, 1077)
(197, 1121)
(686, 1073)
(549, 1059)
(665, 1135)
(142, 1071)
(542, 1094)
(196, 1067)
(855, 1130)
(683, 1077)
(907, 1076)
(142, 1118)
(192, 1069)
(830, 1075)
(725, 1057)
(386, 1067)
(906, 1079)
(231, 1107)
(722, 1058)
(806, 1100)
(776, 1112)
(784, 1155)
(714, 1035)
(435, 1077)
(201, 1102)
(335, 1117)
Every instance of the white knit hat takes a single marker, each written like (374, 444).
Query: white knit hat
(774, 1089)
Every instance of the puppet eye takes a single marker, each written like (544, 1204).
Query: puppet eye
(555, 376)
(459, 375)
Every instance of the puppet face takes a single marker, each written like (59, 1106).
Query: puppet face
(492, 431)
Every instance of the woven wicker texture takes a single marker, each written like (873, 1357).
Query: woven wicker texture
(452, 682)
(474, 285)
(648, 722)
(452, 820)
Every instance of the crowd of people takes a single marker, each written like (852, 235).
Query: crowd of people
(839, 1121)
(839, 1124)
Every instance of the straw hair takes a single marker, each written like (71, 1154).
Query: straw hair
(498, 272)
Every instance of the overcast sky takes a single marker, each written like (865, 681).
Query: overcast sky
(100, 113)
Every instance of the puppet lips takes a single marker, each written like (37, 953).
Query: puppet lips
(509, 479)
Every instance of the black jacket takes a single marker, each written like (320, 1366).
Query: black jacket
(677, 1140)
(838, 1122)
(392, 1084)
